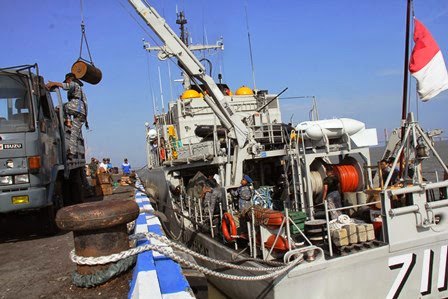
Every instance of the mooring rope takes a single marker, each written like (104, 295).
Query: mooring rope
(167, 251)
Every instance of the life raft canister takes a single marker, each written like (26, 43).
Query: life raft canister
(244, 91)
(191, 94)
(268, 217)
(280, 245)
(225, 230)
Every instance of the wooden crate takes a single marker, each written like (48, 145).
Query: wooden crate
(103, 190)
(104, 178)
(125, 181)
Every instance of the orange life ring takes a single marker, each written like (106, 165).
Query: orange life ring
(225, 229)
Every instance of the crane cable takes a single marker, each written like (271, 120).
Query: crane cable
(84, 37)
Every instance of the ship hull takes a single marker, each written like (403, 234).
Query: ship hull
(380, 272)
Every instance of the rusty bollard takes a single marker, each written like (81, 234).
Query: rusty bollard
(99, 229)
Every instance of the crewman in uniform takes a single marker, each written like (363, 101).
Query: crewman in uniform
(331, 192)
(244, 193)
(75, 107)
(212, 195)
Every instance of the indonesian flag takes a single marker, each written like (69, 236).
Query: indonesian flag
(427, 64)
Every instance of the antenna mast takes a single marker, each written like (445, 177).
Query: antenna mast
(182, 21)
(250, 48)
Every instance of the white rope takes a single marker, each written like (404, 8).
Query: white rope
(167, 251)
(340, 222)
(206, 258)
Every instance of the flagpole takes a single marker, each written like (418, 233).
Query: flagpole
(404, 108)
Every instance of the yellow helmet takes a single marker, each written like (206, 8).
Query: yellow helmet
(191, 94)
(244, 91)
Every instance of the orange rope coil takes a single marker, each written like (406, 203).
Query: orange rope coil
(348, 177)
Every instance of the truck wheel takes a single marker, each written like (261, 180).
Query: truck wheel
(48, 214)
(76, 186)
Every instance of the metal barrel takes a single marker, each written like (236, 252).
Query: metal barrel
(99, 228)
(87, 72)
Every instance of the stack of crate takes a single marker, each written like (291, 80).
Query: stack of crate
(125, 180)
(103, 184)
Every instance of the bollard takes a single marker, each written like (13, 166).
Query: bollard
(99, 228)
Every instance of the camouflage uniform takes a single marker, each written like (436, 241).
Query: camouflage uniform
(244, 194)
(212, 198)
(76, 107)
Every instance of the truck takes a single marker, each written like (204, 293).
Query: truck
(35, 173)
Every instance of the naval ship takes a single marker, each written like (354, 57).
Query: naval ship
(386, 241)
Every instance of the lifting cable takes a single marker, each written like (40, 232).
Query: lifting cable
(84, 37)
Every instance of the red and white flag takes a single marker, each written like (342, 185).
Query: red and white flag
(427, 64)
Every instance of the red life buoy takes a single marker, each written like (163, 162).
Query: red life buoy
(225, 230)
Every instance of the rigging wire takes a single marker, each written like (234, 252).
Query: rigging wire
(161, 90)
(416, 94)
(250, 47)
(170, 80)
(150, 83)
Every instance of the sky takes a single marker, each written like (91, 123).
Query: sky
(348, 54)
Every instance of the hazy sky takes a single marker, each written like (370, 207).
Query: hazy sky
(349, 54)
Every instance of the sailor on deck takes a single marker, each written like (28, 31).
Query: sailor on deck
(213, 195)
(244, 193)
(76, 107)
(331, 192)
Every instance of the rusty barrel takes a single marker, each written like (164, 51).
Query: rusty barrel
(86, 72)
(99, 228)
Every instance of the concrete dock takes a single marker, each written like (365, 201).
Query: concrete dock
(34, 265)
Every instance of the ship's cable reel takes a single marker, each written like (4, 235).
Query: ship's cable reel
(349, 172)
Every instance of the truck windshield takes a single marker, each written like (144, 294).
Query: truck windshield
(16, 114)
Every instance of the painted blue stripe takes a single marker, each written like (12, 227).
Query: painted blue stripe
(169, 273)
(155, 228)
(145, 262)
(170, 276)
(171, 279)
(141, 219)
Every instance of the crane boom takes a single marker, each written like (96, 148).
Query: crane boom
(193, 67)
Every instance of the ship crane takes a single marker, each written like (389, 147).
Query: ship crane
(173, 46)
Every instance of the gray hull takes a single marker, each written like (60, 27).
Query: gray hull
(405, 271)
(365, 274)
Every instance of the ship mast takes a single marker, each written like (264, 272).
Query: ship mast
(181, 20)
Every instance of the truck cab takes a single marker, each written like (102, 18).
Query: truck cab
(34, 171)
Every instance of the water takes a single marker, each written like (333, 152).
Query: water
(431, 166)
